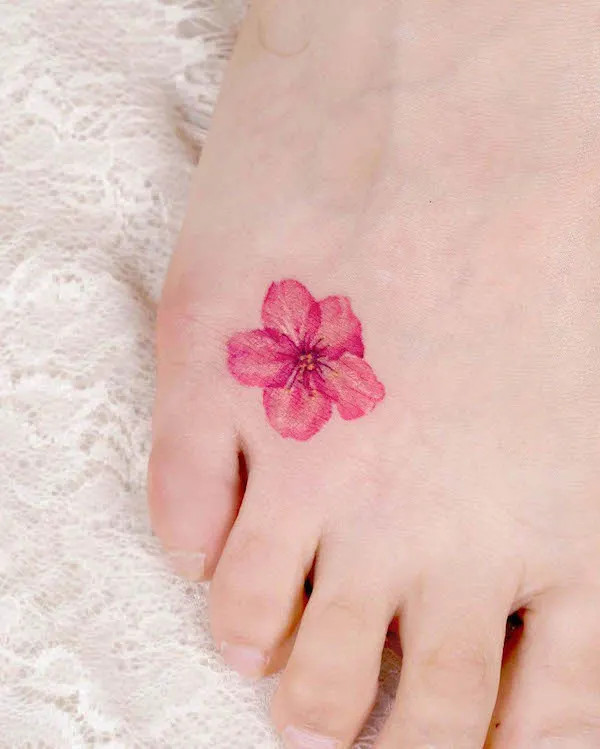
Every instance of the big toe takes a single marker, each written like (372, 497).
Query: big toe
(193, 477)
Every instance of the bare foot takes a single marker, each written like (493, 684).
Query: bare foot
(386, 296)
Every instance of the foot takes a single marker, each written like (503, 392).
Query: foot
(378, 365)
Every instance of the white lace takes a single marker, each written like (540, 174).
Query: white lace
(103, 106)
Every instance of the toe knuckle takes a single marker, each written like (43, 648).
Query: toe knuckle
(441, 728)
(340, 611)
(578, 728)
(457, 669)
(245, 596)
(246, 553)
(245, 606)
(309, 700)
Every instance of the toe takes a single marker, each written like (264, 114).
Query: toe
(330, 682)
(550, 691)
(193, 477)
(452, 638)
(257, 594)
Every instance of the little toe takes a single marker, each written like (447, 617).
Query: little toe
(550, 691)
(257, 594)
(452, 638)
(330, 682)
(193, 477)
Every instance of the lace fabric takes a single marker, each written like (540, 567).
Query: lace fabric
(104, 107)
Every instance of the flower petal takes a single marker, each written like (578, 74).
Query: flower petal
(340, 329)
(298, 413)
(352, 384)
(290, 308)
(262, 358)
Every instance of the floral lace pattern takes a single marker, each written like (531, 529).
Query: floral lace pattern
(104, 107)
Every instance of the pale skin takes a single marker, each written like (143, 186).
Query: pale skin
(437, 164)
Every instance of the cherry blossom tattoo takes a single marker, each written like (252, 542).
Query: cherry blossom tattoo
(308, 356)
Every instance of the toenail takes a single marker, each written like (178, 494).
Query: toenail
(298, 738)
(188, 564)
(248, 662)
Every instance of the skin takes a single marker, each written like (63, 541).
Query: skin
(438, 164)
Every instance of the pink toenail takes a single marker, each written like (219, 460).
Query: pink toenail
(248, 662)
(298, 738)
(188, 564)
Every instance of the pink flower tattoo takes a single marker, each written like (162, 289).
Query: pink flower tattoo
(308, 356)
